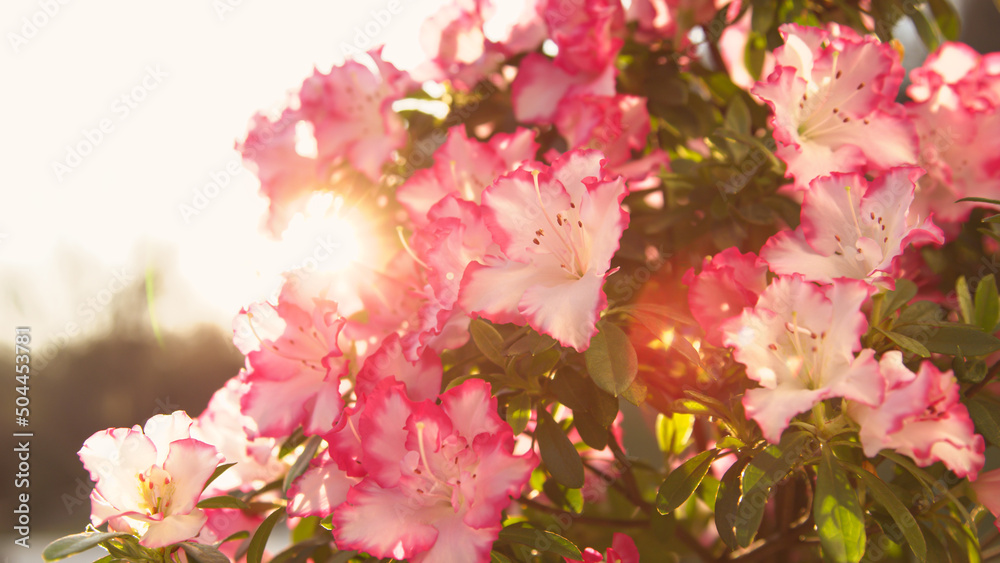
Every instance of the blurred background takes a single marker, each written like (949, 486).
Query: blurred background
(129, 231)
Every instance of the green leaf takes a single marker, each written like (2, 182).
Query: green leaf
(558, 453)
(301, 463)
(927, 29)
(218, 471)
(240, 535)
(611, 360)
(965, 300)
(987, 304)
(255, 553)
(591, 431)
(727, 502)
(754, 53)
(898, 511)
(979, 199)
(541, 540)
(682, 482)
(673, 432)
(920, 312)
(770, 465)
(894, 300)
(70, 545)
(957, 339)
(738, 115)
(497, 557)
(840, 521)
(518, 412)
(488, 340)
(342, 556)
(582, 395)
(200, 553)
(906, 343)
(224, 501)
(947, 19)
(305, 529)
(986, 416)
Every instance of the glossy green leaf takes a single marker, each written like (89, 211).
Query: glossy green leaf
(558, 453)
(302, 462)
(255, 553)
(894, 300)
(987, 304)
(488, 340)
(76, 543)
(683, 481)
(906, 343)
(611, 360)
(727, 503)
(518, 412)
(766, 468)
(201, 553)
(965, 304)
(952, 338)
(904, 520)
(840, 521)
(986, 417)
(223, 501)
(541, 540)
(947, 18)
(673, 432)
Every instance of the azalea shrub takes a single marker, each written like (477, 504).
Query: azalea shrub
(721, 229)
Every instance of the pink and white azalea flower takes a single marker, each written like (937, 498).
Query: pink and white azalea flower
(956, 110)
(987, 488)
(728, 283)
(558, 229)
(148, 480)
(832, 94)
(293, 360)
(622, 550)
(439, 476)
(463, 167)
(350, 109)
(616, 126)
(852, 229)
(585, 32)
(287, 178)
(541, 85)
(223, 425)
(799, 343)
(921, 416)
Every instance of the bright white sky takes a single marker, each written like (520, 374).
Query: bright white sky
(213, 65)
(61, 241)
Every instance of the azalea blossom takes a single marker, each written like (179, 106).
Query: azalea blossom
(349, 112)
(464, 167)
(438, 476)
(223, 425)
(956, 110)
(558, 229)
(671, 20)
(622, 550)
(799, 343)
(148, 480)
(293, 362)
(987, 489)
(727, 283)
(586, 35)
(852, 229)
(832, 94)
(921, 416)
(616, 126)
